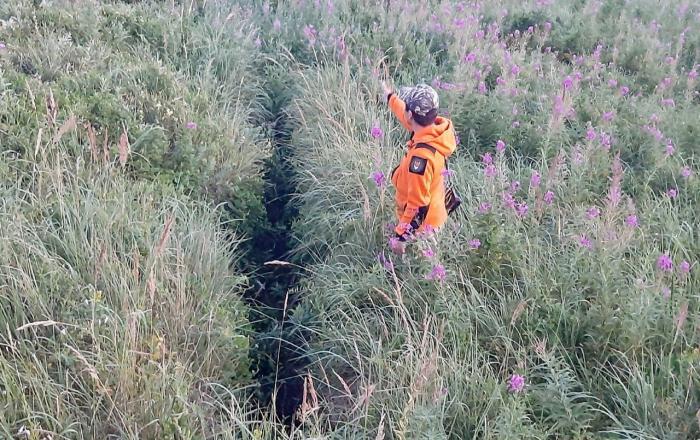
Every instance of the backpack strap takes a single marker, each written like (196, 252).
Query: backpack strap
(433, 149)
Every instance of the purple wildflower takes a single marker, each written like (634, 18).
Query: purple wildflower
(608, 116)
(515, 70)
(654, 118)
(258, 42)
(387, 263)
(490, 171)
(549, 197)
(684, 267)
(584, 241)
(672, 193)
(632, 221)
(487, 159)
(670, 149)
(508, 200)
(484, 208)
(516, 383)
(437, 274)
(394, 243)
(277, 24)
(612, 83)
(447, 174)
(686, 172)
(666, 292)
(470, 57)
(500, 146)
(474, 244)
(590, 134)
(191, 125)
(624, 90)
(428, 253)
(376, 131)
(310, 33)
(664, 263)
(500, 81)
(547, 26)
(535, 179)
(515, 185)
(568, 83)
(378, 177)
(593, 213)
(522, 209)
(693, 75)
(2, 45)
(482, 87)
(669, 102)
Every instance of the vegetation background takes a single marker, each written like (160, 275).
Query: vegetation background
(195, 219)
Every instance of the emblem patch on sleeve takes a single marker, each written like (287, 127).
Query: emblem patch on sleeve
(418, 165)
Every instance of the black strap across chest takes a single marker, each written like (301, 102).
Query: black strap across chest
(433, 149)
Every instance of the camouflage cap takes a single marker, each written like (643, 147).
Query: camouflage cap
(421, 99)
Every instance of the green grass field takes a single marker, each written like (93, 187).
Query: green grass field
(155, 155)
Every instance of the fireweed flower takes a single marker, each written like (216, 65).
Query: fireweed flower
(516, 383)
(378, 177)
(310, 33)
(664, 263)
(474, 244)
(487, 159)
(590, 134)
(428, 253)
(672, 193)
(670, 149)
(490, 171)
(387, 264)
(447, 174)
(686, 172)
(514, 185)
(470, 57)
(584, 241)
(521, 209)
(666, 292)
(500, 146)
(535, 179)
(549, 197)
(624, 90)
(684, 267)
(437, 274)
(484, 208)
(508, 200)
(376, 131)
(191, 125)
(632, 221)
(568, 83)
(593, 213)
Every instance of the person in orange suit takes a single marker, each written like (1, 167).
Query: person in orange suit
(419, 179)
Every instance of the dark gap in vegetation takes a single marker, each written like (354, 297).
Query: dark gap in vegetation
(277, 354)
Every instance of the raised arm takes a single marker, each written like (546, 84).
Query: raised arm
(397, 106)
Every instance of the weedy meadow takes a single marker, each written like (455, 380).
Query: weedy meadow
(143, 141)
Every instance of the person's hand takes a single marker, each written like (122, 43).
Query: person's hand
(386, 89)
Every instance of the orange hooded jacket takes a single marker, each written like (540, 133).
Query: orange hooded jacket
(419, 179)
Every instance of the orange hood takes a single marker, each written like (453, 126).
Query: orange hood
(440, 135)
